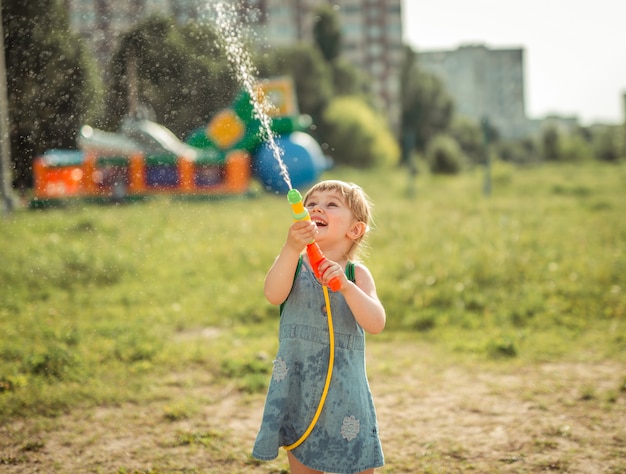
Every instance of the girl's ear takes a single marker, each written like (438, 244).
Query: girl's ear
(357, 230)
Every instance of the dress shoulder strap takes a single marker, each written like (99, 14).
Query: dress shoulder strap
(350, 271)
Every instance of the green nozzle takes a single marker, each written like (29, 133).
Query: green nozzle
(294, 196)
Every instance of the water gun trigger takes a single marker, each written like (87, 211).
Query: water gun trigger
(316, 257)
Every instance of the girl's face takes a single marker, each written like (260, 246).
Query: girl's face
(329, 211)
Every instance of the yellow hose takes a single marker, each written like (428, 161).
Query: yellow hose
(329, 374)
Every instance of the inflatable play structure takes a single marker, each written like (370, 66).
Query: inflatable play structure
(221, 158)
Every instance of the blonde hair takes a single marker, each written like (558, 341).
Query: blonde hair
(357, 201)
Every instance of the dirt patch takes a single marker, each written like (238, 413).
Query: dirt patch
(435, 416)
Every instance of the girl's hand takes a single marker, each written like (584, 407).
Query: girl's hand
(300, 234)
(329, 270)
(279, 278)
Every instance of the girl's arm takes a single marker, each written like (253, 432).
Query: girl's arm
(360, 296)
(279, 278)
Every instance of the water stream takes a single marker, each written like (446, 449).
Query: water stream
(230, 32)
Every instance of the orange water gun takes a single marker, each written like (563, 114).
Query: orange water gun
(312, 249)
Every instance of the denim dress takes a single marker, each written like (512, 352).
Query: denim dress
(345, 439)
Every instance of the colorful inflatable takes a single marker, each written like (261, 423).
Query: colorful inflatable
(146, 158)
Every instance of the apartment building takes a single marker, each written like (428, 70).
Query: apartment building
(371, 31)
(484, 83)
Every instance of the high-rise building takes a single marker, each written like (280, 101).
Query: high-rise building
(484, 83)
(371, 31)
(371, 38)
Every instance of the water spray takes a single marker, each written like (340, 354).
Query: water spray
(243, 67)
(240, 59)
(316, 257)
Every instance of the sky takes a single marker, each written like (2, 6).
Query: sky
(575, 50)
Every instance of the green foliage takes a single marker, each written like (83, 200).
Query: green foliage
(327, 31)
(357, 136)
(576, 149)
(608, 144)
(520, 152)
(54, 361)
(181, 74)
(469, 136)
(558, 145)
(602, 142)
(444, 155)
(348, 80)
(311, 75)
(551, 143)
(52, 81)
(427, 108)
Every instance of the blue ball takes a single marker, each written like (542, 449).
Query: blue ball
(303, 159)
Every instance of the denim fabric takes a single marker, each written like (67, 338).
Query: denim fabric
(345, 438)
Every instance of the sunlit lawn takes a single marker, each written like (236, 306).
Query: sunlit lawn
(96, 300)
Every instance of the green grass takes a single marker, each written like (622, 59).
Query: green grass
(96, 301)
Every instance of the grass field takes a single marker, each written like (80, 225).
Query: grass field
(147, 321)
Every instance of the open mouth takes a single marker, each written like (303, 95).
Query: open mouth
(319, 222)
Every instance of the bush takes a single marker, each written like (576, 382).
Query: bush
(469, 136)
(444, 155)
(552, 143)
(357, 136)
(606, 144)
(575, 149)
(521, 152)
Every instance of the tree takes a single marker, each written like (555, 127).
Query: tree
(346, 78)
(311, 75)
(210, 78)
(606, 143)
(552, 143)
(180, 75)
(52, 82)
(558, 144)
(327, 31)
(469, 136)
(427, 108)
(6, 179)
(521, 151)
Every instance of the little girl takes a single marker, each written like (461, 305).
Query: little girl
(345, 437)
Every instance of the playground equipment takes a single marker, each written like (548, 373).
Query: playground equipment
(145, 158)
(302, 156)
